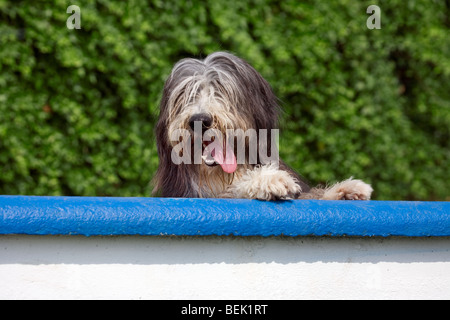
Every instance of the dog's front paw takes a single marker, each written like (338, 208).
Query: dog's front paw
(349, 190)
(266, 183)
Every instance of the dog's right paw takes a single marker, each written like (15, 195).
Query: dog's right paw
(266, 183)
(349, 190)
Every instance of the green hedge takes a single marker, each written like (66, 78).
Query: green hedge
(78, 107)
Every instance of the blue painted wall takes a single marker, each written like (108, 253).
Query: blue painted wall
(162, 216)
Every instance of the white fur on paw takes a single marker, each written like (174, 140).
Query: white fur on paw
(266, 183)
(349, 190)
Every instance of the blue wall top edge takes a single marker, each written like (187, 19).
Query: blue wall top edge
(88, 216)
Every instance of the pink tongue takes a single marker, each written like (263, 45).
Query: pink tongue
(228, 164)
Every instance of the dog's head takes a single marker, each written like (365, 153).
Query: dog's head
(203, 102)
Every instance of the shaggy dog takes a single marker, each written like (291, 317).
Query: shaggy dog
(217, 134)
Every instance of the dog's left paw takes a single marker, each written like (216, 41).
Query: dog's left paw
(349, 190)
(265, 183)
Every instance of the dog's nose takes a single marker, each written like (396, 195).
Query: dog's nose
(204, 118)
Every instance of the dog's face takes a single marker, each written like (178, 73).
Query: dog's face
(222, 93)
(205, 104)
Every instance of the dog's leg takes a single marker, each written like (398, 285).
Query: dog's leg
(270, 183)
(265, 182)
(346, 190)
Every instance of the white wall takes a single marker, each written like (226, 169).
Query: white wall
(133, 267)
